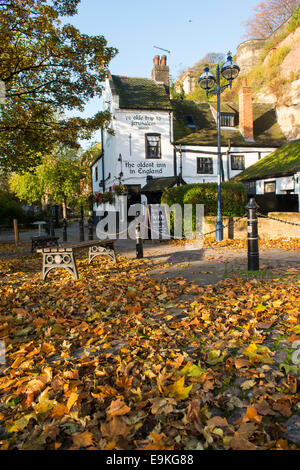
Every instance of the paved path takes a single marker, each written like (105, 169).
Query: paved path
(193, 262)
(208, 265)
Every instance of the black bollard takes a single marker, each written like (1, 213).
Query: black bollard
(139, 242)
(52, 232)
(65, 234)
(81, 230)
(91, 228)
(253, 253)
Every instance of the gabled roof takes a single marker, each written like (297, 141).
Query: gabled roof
(283, 162)
(141, 93)
(267, 132)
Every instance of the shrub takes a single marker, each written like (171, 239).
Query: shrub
(11, 209)
(233, 195)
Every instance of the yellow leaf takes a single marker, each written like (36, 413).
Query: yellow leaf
(252, 414)
(72, 399)
(59, 411)
(178, 391)
(21, 423)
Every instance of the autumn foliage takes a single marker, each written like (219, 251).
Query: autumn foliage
(120, 360)
(268, 16)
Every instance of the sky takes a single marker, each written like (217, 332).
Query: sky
(187, 30)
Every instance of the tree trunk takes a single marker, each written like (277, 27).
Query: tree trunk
(64, 208)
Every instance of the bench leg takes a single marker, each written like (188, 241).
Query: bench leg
(64, 260)
(95, 251)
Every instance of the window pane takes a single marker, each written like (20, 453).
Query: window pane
(227, 120)
(153, 146)
(270, 187)
(237, 162)
(204, 165)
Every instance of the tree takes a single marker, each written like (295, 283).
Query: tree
(177, 95)
(268, 16)
(47, 69)
(213, 58)
(58, 180)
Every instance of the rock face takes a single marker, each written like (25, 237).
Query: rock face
(288, 107)
(248, 54)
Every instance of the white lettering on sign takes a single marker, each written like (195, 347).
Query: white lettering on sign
(142, 121)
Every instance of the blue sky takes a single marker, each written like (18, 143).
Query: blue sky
(188, 30)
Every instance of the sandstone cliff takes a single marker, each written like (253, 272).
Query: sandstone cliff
(272, 68)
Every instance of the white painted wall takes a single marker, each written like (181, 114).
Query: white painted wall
(189, 162)
(130, 127)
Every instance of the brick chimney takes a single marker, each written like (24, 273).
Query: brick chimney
(246, 111)
(160, 71)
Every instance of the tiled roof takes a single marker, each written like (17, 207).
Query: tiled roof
(283, 162)
(141, 93)
(160, 184)
(267, 132)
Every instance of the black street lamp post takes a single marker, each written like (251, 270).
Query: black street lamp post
(230, 71)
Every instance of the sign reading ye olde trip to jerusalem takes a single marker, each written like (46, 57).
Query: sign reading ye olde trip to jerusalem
(142, 121)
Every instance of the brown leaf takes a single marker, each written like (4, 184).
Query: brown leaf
(217, 421)
(283, 409)
(117, 408)
(114, 428)
(239, 443)
(85, 439)
(239, 363)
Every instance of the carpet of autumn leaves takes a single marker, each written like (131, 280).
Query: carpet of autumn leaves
(119, 360)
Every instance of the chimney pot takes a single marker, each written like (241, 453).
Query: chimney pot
(160, 71)
(163, 60)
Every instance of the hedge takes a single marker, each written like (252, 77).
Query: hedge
(234, 198)
(11, 209)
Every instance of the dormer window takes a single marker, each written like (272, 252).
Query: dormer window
(227, 120)
(189, 121)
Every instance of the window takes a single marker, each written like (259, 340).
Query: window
(227, 120)
(250, 187)
(96, 173)
(237, 162)
(204, 165)
(153, 146)
(189, 121)
(270, 187)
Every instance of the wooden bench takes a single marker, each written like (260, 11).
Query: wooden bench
(63, 256)
(43, 241)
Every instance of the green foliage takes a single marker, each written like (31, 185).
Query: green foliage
(234, 197)
(57, 180)
(294, 21)
(47, 68)
(11, 209)
(177, 95)
(269, 75)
